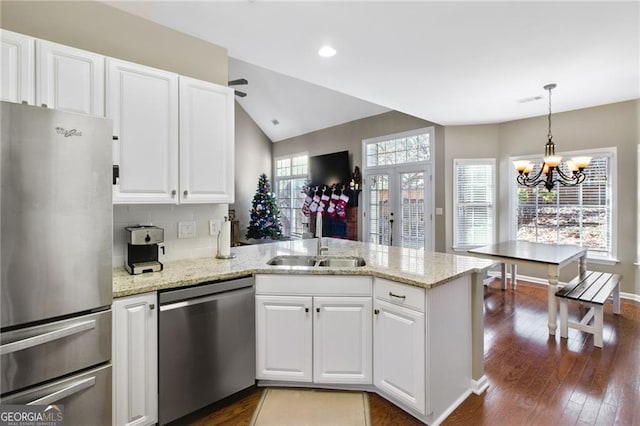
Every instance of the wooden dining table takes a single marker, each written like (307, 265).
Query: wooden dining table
(550, 257)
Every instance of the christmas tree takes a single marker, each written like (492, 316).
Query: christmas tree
(265, 216)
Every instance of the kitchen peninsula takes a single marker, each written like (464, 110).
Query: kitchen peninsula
(432, 300)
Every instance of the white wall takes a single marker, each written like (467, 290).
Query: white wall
(167, 217)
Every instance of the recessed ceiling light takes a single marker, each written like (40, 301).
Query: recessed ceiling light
(326, 51)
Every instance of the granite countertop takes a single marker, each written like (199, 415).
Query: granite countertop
(408, 266)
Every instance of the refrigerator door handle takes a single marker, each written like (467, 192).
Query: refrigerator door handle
(47, 337)
(65, 392)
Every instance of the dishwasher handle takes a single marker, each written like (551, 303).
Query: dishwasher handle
(200, 300)
(171, 296)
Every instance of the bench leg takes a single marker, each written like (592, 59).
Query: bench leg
(503, 275)
(616, 299)
(514, 281)
(564, 320)
(597, 326)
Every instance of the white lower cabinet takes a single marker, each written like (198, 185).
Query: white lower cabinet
(321, 334)
(135, 360)
(399, 353)
(283, 338)
(412, 344)
(342, 340)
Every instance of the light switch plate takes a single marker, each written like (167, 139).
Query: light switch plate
(439, 211)
(214, 227)
(186, 229)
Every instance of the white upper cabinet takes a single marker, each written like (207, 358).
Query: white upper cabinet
(143, 104)
(17, 68)
(69, 79)
(206, 142)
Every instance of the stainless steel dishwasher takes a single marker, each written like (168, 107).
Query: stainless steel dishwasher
(206, 345)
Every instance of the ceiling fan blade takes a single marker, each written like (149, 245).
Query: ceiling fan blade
(240, 94)
(238, 82)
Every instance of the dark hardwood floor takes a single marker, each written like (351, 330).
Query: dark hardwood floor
(535, 379)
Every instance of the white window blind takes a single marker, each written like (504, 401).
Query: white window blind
(474, 202)
(579, 215)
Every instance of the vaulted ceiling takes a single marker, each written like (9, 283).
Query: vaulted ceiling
(447, 62)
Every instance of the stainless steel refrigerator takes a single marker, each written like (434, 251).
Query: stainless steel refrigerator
(56, 261)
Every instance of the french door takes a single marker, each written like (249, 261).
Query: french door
(398, 206)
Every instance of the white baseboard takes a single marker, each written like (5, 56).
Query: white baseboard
(442, 417)
(480, 385)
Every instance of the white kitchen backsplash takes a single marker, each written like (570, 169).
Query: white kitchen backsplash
(167, 217)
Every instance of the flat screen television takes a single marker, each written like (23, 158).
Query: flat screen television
(330, 169)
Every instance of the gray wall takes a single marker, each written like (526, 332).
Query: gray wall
(349, 137)
(478, 141)
(614, 125)
(253, 157)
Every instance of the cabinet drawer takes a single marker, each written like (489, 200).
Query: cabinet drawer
(399, 294)
(314, 285)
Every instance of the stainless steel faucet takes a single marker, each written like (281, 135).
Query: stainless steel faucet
(321, 248)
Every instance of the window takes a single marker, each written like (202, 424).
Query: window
(402, 148)
(291, 175)
(398, 189)
(474, 195)
(580, 215)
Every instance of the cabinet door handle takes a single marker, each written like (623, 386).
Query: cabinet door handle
(152, 306)
(397, 295)
(306, 309)
(173, 193)
(376, 311)
(186, 192)
(318, 310)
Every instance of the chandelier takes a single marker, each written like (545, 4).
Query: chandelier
(550, 171)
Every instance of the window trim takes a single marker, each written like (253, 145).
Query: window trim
(429, 167)
(612, 153)
(365, 142)
(277, 179)
(488, 161)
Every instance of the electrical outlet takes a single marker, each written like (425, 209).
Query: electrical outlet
(186, 229)
(214, 227)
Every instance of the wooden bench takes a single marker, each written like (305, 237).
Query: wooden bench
(593, 290)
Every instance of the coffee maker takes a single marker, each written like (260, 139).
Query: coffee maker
(143, 244)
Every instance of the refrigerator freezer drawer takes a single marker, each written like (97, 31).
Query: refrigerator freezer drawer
(35, 354)
(86, 397)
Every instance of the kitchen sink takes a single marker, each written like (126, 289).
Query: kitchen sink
(292, 261)
(341, 261)
(322, 261)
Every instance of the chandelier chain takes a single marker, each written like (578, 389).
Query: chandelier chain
(549, 135)
(550, 171)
